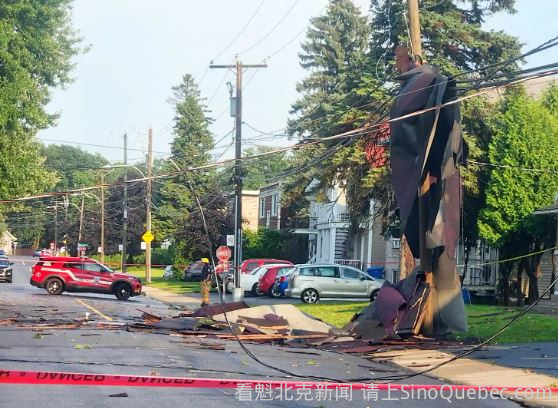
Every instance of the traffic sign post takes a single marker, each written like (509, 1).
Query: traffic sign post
(148, 237)
(223, 253)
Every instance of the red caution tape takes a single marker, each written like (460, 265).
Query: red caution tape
(81, 379)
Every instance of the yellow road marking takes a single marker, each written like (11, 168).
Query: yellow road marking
(104, 316)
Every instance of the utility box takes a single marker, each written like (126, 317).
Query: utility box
(376, 272)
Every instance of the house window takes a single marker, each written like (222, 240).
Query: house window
(396, 243)
(262, 208)
(274, 199)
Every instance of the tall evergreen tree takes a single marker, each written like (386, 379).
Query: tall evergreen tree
(178, 217)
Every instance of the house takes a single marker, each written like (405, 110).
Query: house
(7, 241)
(330, 239)
(270, 211)
(249, 208)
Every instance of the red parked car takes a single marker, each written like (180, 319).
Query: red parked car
(57, 274)
(268, 279)
(250, 264)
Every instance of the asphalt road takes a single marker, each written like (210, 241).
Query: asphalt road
(136, 353)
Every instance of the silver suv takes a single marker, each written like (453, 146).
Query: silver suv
(311, 282)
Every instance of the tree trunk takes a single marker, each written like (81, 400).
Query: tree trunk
(519, 282)
(504, 284)
(533, 272)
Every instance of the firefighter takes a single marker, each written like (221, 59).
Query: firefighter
(205, 283)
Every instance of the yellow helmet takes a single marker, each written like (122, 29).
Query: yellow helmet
(205, 260)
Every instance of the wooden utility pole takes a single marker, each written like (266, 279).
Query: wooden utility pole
(414, 27)
(80, 231)
(125, 207)
(55, 225)
(102, 218)
(239, 68)
(148, 204)
(423, 191)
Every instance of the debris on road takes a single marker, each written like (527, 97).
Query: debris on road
(211, 310)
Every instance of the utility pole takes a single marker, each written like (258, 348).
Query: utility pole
(66, 235)
(55, 225)
(148, 204)
(239, 68)
(102, 218)
(424, 188)
(414, 27)
(125, 207)
(80, 231)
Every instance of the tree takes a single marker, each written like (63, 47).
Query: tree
(524, 153)
(334, 54)
(36, 47)
(73, 166)
(178, 217)
(452, 35)
(262, 171)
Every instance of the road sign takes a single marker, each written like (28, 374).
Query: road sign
(230, 240)
(143, 245)
(148, 237)
(120, 247)
(223, 253)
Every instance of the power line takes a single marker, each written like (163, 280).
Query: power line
(272, 29)
(239, 33)
(363, 130)
(94, 145)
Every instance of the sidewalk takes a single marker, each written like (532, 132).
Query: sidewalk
(467, 371)
(190, 301)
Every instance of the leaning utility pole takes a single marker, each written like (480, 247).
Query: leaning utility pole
(414, 27)
(125, 207)
(239, 67)
(424, 188)
(148, 205)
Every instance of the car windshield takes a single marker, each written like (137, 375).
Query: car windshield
(256, 271)
(4, 262)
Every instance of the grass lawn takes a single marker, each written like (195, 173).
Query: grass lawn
(157, 281)
(483, 321)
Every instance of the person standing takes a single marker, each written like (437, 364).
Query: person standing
(205, 283)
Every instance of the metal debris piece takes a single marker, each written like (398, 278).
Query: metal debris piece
(212, 310)
(120, 395)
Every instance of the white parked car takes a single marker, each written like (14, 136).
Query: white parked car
(310, 282)
(249, 281)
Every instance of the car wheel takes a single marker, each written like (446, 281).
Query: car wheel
(374, 295)
(123, 291)
(54, 286)
(273, 292)
(310, 296)
(255, 289)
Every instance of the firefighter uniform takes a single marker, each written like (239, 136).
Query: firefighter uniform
(205, 283)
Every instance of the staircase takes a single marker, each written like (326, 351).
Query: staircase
(341, 243)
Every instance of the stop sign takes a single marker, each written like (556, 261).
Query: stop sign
(223, 253)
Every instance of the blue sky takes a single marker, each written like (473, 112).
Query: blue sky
(140, 49)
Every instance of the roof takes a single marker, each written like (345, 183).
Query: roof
(10, 235)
